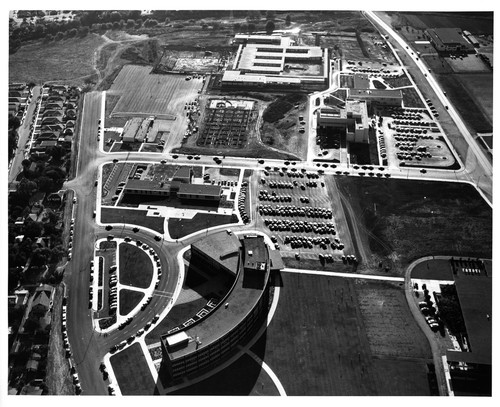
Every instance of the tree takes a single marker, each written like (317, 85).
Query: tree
(59, 36)
(270, 15)
(72, 32)
(83, 31)
(130, 23)
(251, 27)
(236, 27)
(288, 20)
(270, 27)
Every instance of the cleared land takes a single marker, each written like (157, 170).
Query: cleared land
(132, 372)
(405, 220)
(136, 268)
(132, 216)
(129, 300)
(68, 61)
(151, 94)
(318, 344)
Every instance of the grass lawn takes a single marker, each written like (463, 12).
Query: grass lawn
(68, 61)
(433, 270)
(411, 219)
(318, 345)
(245, 377)
(132, 372)
(411, 98)
(179, 228)
(132, 216)
(136, 268)
(129, 300)
(465, 103)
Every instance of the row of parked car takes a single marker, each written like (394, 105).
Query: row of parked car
(241, 202)
(293, 210)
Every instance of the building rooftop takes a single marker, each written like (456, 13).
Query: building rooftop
(200, 189)
(255, 254)
(448, 36)
(375, 93)
(146, 185)
(221, 247)
(475, 296)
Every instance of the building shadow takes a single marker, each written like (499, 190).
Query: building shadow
(238, 379)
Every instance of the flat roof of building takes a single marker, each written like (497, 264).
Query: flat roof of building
(448, 35)
(236, 76)
(200, 189)
(222, 247)
(147, 185)
(475, 296)
(375, 93)
(254, 253)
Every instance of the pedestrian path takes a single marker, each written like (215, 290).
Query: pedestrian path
(348, 275)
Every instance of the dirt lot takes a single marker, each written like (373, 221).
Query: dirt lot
(144, 93)
(331, 348)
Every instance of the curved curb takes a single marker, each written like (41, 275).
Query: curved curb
(269, 371)
(436, 356)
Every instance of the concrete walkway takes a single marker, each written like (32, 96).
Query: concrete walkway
(348, 275)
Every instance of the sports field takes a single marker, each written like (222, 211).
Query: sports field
(318, 343)
(144, 93)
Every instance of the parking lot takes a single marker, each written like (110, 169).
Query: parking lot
(295, 210)
(411, 137)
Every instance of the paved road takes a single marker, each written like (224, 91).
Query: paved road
(24, 136)
(419, 318)
(87, 346)
(476, 161)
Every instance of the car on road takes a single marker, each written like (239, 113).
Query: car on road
(74, 199)
(155, 318)
(175, 156)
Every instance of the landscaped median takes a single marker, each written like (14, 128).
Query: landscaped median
(138, 272)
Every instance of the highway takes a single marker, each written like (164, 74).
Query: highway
(477, 164)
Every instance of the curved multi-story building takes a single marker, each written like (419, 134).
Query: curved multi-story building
(208, 341)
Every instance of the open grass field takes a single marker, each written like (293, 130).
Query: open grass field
(151, 94)
(317, 343)
(480, 87)
(475, 22)
(388, 321)
(178, 228)
(245, 377)
(132, 372)
(129, 300)
(136, 268)
(411, 98)
(465, 102)
(417, 218)
(433, 270)
(68, 61)
(134, 217)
